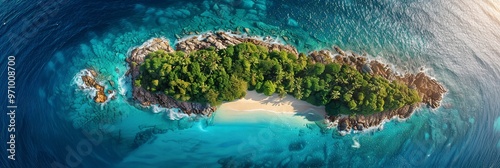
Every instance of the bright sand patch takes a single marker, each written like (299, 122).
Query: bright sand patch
(257, 108)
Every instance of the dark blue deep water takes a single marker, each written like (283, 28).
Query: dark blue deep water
(58, 125)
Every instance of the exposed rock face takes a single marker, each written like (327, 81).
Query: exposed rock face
(100, 94)
(429, 89)
(361, 122)
(137, 55)
(322, 56)
(221, 40)
(147, 98)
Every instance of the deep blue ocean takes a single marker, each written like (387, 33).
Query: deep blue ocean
(58, 124)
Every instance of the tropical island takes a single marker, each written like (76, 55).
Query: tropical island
(207, 70)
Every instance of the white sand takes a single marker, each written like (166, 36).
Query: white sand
(256, 107)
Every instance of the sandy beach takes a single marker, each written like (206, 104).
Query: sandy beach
(266, 107)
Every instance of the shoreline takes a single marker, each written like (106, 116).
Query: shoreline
(429, 89)
(288, 104)
(256, 103)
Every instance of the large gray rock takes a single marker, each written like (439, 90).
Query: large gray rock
(367, 68)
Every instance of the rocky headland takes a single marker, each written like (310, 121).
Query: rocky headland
(146, 98)
(428, 89)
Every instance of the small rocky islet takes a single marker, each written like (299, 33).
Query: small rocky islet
(430, 91)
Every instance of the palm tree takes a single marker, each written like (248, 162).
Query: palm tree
(335, 95)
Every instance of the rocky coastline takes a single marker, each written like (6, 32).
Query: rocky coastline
(429, 89)
(146, 98)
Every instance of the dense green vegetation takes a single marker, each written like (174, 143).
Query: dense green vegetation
(225, 75)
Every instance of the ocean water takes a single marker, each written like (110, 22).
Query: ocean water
(58, 125)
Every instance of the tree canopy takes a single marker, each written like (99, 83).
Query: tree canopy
(210, 76)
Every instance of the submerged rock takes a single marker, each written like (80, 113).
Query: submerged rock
(233, 161)
(292, 22)
(265, 27)
(297, 146)
(285, 162)
(261, 7)
(247, 4)
(146, 135)
(310, 161)
(111, 83)
(161, 21)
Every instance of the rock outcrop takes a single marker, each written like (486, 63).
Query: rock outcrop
(429, 89)
(137, 55)
(146, 98)
(220, 40)
(100, 95)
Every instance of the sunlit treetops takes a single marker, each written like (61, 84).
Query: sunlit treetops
(210, 76)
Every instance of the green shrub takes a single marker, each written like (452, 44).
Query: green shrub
(210, 76)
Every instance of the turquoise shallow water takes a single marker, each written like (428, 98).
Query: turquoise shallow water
(456, 42)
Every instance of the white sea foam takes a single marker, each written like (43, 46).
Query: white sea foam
(124, 85)
(77, 80)
(176, 114)
(157, 108)
(344, 133)
(111, 95)
(380, 126)
(355, 140)
(108, 98)
(170, 113)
